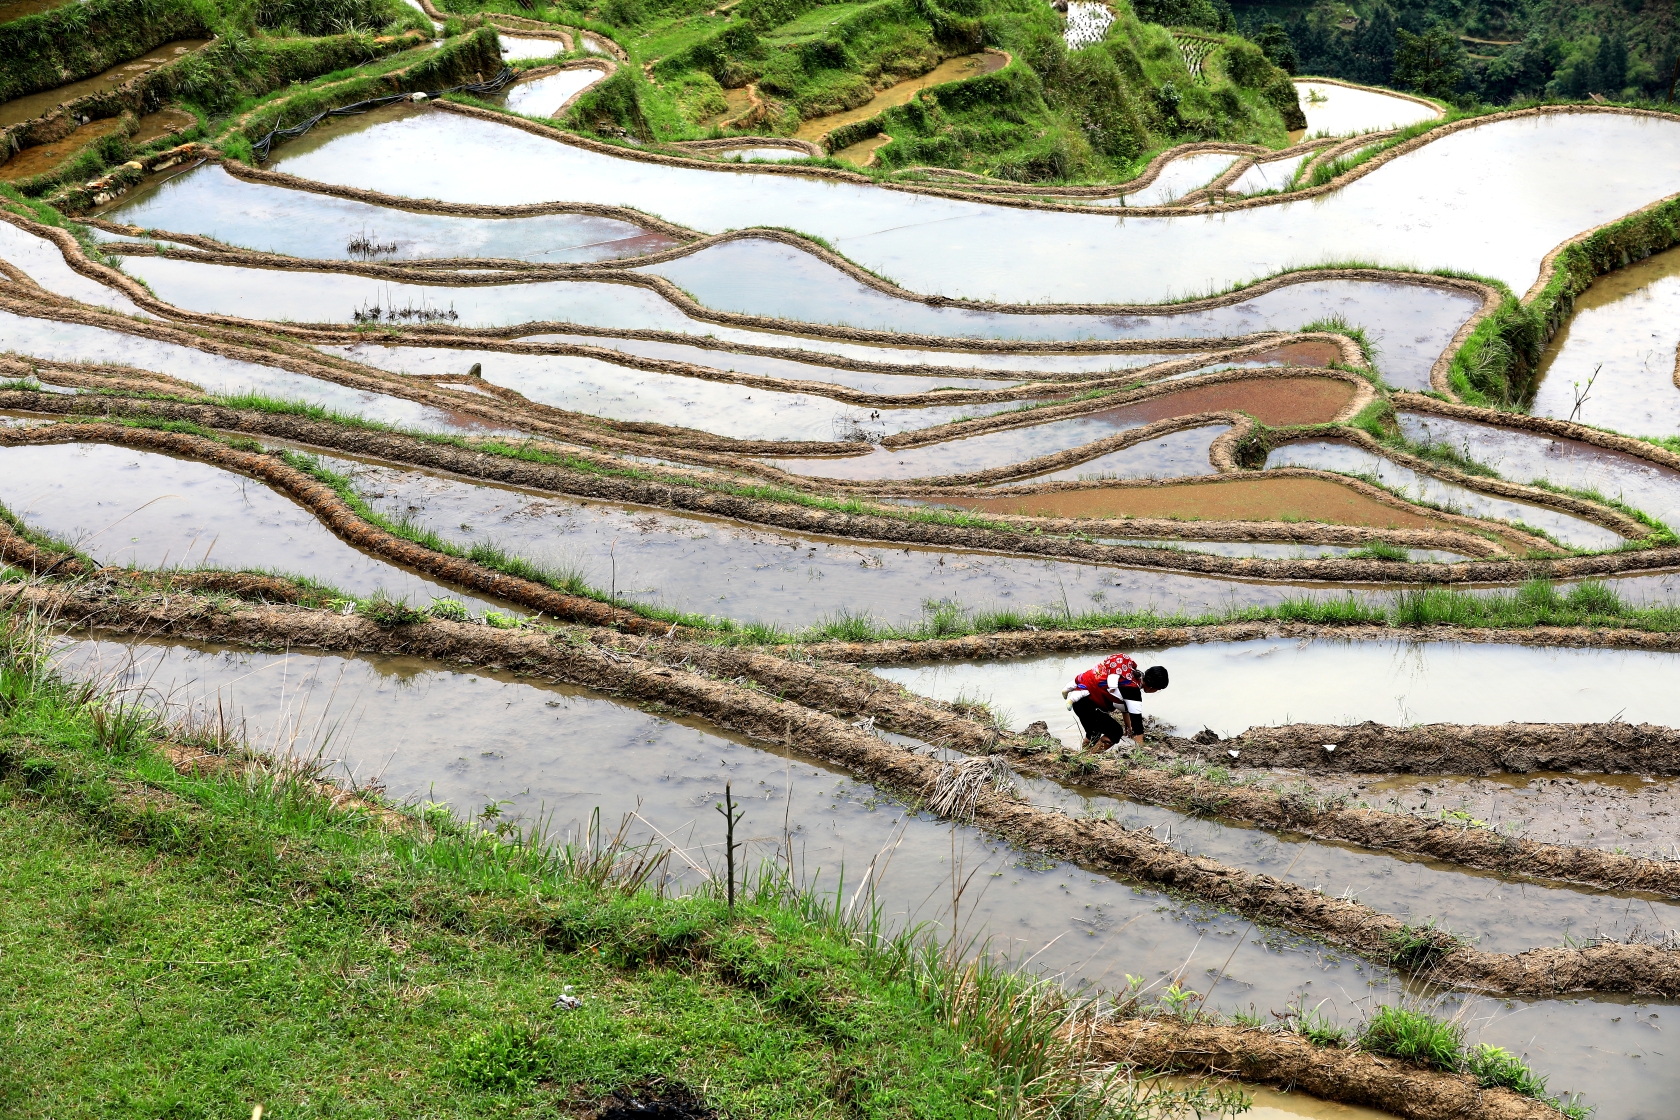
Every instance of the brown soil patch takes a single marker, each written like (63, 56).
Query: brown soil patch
(1244, 499)
(1275, 401)
(165, 121)
(42, 158)
(1301, 354)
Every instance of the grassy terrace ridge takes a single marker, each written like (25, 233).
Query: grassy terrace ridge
(195, 929)
(195, 943)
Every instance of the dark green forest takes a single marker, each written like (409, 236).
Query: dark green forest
(1477, 51)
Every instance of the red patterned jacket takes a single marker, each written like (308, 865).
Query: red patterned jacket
(1104, 680)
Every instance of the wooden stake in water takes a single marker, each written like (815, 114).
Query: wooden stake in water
(731, 817)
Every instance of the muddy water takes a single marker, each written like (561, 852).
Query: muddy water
(39, 159)
(1233, 686)
(35, 104)
(1179, 177)
(951, 70)
(51, 340)
(44, 264)
(141, 509)
(750, 573)
(209, 201)
(1626, 328)
(600, 388)
(1273, 175)
(862, 154)
(1344, 457)
(1631, 812)
(1411, 324)
(543, 97)
(1333, 110)
(399, 719)
(17, 9)
(1016, 445)
(1497, 915)
(1244, 499)
(1526, 457)
(1488, 199)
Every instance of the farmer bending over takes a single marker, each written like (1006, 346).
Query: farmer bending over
(1113, 683)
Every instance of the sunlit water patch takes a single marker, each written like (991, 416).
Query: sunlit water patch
(1506, 207)
(543, 97)
(210, 202)
(1336, 110)
(1615, 361)
(142, 509)
(43, 263)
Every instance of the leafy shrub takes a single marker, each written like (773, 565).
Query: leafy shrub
(500, 1058)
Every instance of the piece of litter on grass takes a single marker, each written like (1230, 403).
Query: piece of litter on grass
(1329, 746)
(1233, 754)
(567, 1000)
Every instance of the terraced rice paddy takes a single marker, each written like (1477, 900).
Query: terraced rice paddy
(676, 473)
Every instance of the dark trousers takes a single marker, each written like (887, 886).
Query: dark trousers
(1097, 722)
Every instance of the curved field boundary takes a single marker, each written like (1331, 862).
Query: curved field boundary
(977, 193)
(735, 143)
(657, 672)
(680, 491)
(850, 693)
(1292, 1062)
(1427, 103)
(1612, 519)
(622, 271)
(607, 66)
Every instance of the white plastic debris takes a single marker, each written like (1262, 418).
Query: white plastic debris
(1233, 754)
(567, 1001)
(417, 97)
(1329, 747)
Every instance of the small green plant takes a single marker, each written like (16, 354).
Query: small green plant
(1417, 948)
(1414, 1036)
(1380, 550)
(1495, 1066)
(500, 1058)
(501, 621)
(382, 610)
(450, 610)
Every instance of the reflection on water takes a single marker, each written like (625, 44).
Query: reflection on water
(41, 260)
(1334, 110)
(1529, 457)
(1230, 687)
(1178, 177)
(1334, 455)
(1519, 187)
(69, 343)
(35, 104)
(543, 97)
(1618, 354)
(141, 509)
(207, 200)
(620, 393)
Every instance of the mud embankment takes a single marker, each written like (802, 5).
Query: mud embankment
(658, 673)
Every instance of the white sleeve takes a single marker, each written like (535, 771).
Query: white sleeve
(1134, 706)
(1113, 683)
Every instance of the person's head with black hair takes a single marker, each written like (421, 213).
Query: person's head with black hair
(1155, 678)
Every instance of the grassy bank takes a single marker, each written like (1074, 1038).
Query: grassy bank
(193, 942)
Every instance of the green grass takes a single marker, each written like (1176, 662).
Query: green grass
(1421, 1038)
(197, 944)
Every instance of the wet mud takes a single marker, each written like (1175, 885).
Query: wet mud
(1635, 969)
(33, 105)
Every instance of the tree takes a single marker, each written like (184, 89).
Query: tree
(1610, 66)
(1428, 63)
(1275, 44)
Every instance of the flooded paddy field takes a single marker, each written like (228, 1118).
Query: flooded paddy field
(34, 105)
(1085, 926)
(945, 246)
(145, 510)
(208, 201)
(1615, 362)
(840, 433)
